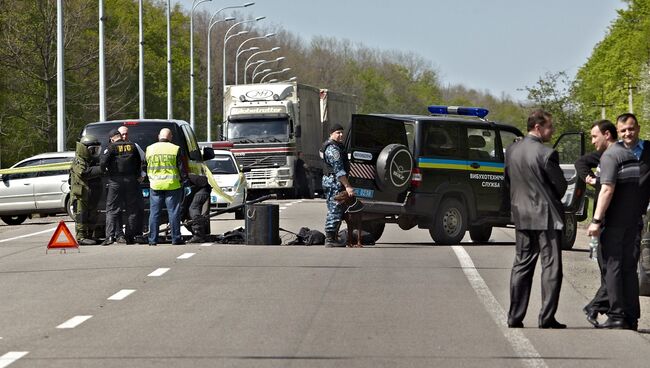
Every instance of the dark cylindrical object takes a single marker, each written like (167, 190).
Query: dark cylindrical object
(263, 224)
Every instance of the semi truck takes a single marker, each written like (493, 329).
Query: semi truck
(272, 125)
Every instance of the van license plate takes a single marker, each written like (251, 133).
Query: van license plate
(364, 193)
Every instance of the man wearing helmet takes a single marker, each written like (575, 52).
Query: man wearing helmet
(86, 188)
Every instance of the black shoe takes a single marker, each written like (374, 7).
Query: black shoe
(122, 240)
(331, 241)
(553, 325)
(592, 315)
(110, 240)
(86, 241)
(515, 325)
(615, 324)
(180, 242)
(139, 239)
(197, 239)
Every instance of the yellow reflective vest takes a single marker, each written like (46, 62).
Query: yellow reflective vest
(162, 167)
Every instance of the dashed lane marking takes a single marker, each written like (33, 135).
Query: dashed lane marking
(158, 272)
(185, 255)
(524, 349)
(206, 245)
(11, 357)
(74, 322)
(120, 295)
(28, 235)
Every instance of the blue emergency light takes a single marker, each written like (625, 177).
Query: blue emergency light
(459, 110)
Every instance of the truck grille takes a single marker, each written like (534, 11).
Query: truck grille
(259, 160)
(258, 175)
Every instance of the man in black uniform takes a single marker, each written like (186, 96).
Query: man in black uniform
(199, 196)
(121, 161)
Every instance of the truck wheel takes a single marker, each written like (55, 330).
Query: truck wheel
(480, 234)
(449, 223)
(14, 220)
(394, 168)
(569, 232)
(376, 229)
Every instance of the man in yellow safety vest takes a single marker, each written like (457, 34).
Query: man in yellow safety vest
(167, 175)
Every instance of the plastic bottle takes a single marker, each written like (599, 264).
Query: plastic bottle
(593, 248)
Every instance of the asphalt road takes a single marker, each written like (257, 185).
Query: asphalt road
(402, 303)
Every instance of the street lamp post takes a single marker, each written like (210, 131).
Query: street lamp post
(195, 3)
(269, 35)
(225, 43)
(289, 80)
(264, 63)
(254, 48)
(274, 73)
(258, 73)
(170, 112)
(209, 82)
(249, 63)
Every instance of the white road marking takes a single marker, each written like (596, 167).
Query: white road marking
(28, 235)
(185, 255)
(158, 272)
(290, 204)
(120, 295)
(519, 343)
(74, 322)
(11, 357)
(206, 245)
(283, 208)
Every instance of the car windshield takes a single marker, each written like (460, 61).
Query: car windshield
(258, 130)
(222, 164)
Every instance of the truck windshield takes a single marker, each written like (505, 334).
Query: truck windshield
(258, 130)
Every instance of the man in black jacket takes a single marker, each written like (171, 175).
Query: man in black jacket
(121, 161)
(536, 184)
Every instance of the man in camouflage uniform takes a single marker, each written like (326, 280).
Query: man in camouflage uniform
(86, 188)
(335, 180)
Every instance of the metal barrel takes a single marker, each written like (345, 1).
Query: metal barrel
(263, 224)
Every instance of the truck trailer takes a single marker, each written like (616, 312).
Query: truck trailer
(271, 125)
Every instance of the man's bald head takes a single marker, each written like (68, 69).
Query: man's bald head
(165, 133)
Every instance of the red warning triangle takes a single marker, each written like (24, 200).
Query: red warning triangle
(62, 238)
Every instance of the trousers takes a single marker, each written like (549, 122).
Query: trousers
(335, 212)
(530, 245)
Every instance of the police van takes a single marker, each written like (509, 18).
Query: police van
(144, 132)
(445, 172)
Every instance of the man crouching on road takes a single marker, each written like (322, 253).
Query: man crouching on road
(335, 178)
(537, 184)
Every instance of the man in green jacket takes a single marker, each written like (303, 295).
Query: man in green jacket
(86, 188)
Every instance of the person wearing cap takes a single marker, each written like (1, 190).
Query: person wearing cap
(122, 163)
(335, 180)
(86, 189)
(137, 236)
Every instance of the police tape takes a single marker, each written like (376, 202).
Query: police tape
(66, 166)
(37, 168)
(214, 185)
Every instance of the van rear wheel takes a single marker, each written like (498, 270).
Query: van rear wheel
(449, 222)
(14, 220)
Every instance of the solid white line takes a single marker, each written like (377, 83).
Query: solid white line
(74, 322)
(185, 255)
(519, 343)
(158, 272)
(28, 235)
(120, 295)
(11, 357)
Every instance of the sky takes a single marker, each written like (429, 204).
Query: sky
(500, 46)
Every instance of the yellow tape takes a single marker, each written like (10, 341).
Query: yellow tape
(214, 185)
(37, 168)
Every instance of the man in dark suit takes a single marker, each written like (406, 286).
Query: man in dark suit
(537, 184)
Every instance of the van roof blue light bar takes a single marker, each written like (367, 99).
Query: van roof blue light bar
(459, 110)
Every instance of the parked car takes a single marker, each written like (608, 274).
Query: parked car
(42, 192)
(230, 178)
(445, 172)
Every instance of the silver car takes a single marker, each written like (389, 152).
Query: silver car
(43, 192)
